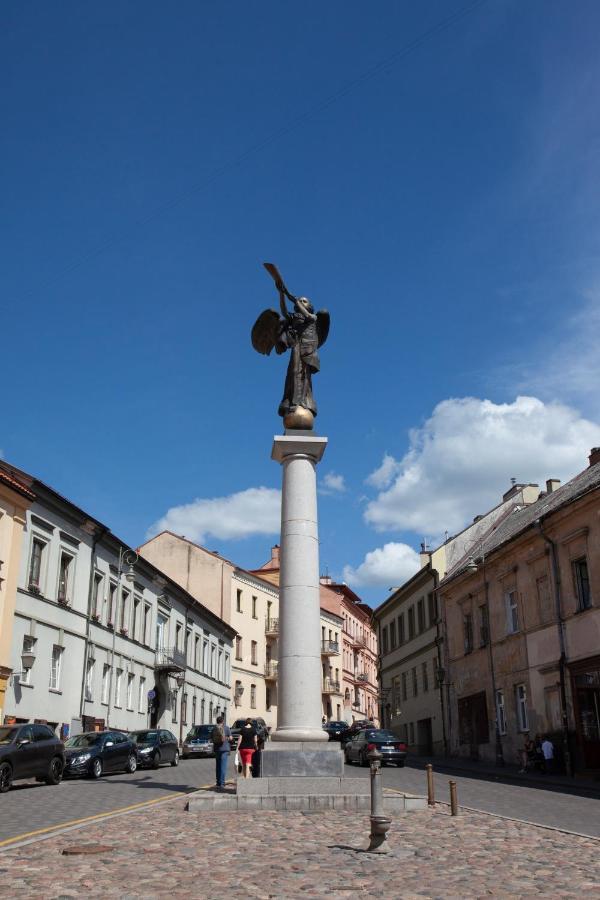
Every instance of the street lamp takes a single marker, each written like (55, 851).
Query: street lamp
(127, 558)
(27, 661)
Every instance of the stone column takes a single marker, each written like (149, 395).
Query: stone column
(299, 673)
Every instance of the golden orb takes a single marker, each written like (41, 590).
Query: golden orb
(299, 418)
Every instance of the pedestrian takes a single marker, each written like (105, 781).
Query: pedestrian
(221, 744)
(527, 755)
(548, 751)
(246, 745)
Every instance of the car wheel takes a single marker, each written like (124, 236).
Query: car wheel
(131, 764)
(5, 778)
(175, 761)
(55, 771)
(156, 760)
(96, 768)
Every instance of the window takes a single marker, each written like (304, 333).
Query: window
(468, 632)
(64, 577)
(384, 639)
(412, 732)
(202, 710)
(252, 696)
(89, 679)
(238, 646)
(173, 707)
(432, 608)
(415, 686)
(146, 626)
(425, 677)
(193, 710)
(582, 583)
(135, 617)
(220, 666)
(226, 672)
(130, 680)
(253, 653)
(254, 613)
(55, 667)
(421, 614)
(210, 712)
(268, 697)
(35, 565)
(521, 700)
(142, 695)
(392, 635)
(189, 649)
(97, 594)
(500, 712)
(404, 687)
(105, 682)
(238, 601)
(484, 625)
(184, 703)
(196, 652)
(112, 604)
(118, 682)
(124, 610)
(205, 658)
(212, 672)
(411, 623)
(512, 612)
(178, 632)
(401, 634)
(28, 647)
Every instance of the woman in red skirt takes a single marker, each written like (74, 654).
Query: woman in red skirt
(246, 745)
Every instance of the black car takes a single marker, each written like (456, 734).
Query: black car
(336, 730)
(260, 726)
(30, 751)
(155, 746)
(94, 753)
(389, 745)
(198, 742)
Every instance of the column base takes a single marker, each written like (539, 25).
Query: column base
(292, 733)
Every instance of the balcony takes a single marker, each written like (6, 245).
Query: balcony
(330, 687)
(272, 627)
(361, 676)
(358, 642)
(170, 659)
(330, 648)
(271, 671)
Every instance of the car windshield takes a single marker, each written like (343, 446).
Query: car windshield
(381, 736)
(144, 737)
(7, 735)
(203, 731)
(83, 740)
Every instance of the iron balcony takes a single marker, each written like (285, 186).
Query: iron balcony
(170, 659)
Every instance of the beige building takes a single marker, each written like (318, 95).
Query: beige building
(15, 500)
(523, 625)
(243, 599)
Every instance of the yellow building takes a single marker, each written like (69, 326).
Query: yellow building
(15, 500)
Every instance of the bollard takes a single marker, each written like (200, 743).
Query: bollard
(380, 823)
(430, 787)
(453, 798)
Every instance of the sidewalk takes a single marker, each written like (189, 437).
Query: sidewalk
(511, 773)
(171, 853)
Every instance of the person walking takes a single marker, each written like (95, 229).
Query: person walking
(527, 755)
(221, 744)
(246, 745)
(548, 751)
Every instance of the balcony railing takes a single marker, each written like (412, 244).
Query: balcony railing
(272, 627)
(357, 641)
(271, 670)
(171, 659)
(330, 686)
(361, 676)
(329, 648)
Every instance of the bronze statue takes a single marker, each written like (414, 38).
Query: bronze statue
(302, 331)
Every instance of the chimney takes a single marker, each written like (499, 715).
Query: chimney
(553, 483)
(595, 456)
(275, 555)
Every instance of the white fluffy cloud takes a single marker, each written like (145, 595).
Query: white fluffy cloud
(254, 511)
(388, 566)
(333, 484)
(461, 460)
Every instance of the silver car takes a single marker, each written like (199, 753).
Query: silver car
(198, 742)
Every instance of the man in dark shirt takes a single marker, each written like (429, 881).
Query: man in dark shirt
(221, 745)
(246, 745)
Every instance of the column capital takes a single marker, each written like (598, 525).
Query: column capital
(299, 444)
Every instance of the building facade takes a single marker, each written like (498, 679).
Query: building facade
(115, 643)
(523, 629)
(246, 600)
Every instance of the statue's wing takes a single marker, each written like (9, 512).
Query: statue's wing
(266, 331)
(323, 321)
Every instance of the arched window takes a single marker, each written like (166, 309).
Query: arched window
(202, 710)
(210, 712)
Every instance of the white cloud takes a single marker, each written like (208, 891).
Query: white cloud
(253, 511)
(387, 566)
(461, 460)
(384, 475)
(333, 484)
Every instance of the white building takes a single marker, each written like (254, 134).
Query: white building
(116, 645)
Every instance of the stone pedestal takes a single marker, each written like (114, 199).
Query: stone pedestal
(299, 670)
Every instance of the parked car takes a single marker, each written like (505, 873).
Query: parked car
(391, 748)
(198, 742)
(355, 728)
(260, 726)
(155, 746)
(30, 751)
(336, 730)
(94, 753)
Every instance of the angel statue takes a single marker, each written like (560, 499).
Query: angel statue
(302, 331)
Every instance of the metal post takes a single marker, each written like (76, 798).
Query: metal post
(380, 823)
(453, 798)
(430, 786)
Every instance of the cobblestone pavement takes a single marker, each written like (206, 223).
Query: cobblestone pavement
(173, 853)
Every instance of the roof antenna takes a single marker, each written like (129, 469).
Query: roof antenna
(513, 481)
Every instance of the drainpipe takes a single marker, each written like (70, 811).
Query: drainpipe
(562, 644)
(98, 534)
(439, 641)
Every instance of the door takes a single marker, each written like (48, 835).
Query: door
(167, 746)
(24, 758)
(44, 742)
(424, 737)
(110, 754)
(588, 702)
(123, 749)
(161, 631)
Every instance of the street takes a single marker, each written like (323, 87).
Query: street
(31, 807)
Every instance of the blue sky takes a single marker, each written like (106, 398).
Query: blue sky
(442, 203)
